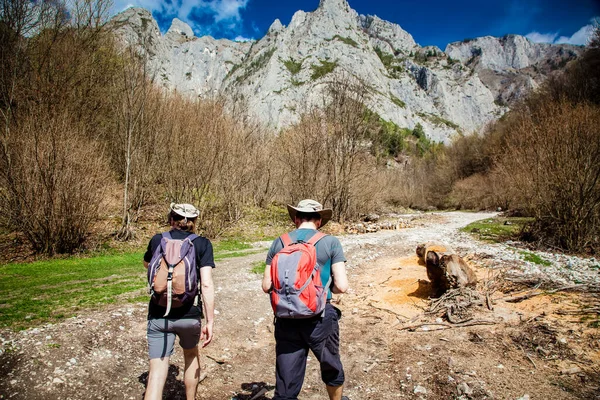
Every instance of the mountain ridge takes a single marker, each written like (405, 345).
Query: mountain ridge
(282, 74)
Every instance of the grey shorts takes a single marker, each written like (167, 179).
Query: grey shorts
(161, 335)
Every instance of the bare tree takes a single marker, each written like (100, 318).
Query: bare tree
(133, 85)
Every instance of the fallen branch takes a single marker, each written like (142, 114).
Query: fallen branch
(389, 311)
(516, 299)
(215, 359)
(535, 292)
(453, 320)
(592, 310)
(529, 358)
(488, 302)
(449, 326)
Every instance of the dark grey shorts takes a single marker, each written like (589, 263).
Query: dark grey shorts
(162, 332)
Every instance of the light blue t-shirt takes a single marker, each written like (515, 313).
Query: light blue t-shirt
(329, 251)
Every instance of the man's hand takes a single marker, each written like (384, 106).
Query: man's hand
(207, 334)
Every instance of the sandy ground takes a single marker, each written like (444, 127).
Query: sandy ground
(530, 351)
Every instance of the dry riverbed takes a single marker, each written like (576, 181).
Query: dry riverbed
(542, 347)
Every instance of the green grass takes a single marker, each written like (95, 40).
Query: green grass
(436, 119)
(346, 40)
(258, 267)
(323, 69)
(391, 63)
(497, 229)
(397, 101)
(293, 66)
(258, 63)
(534, 258)
(230, 245)
(49, 291)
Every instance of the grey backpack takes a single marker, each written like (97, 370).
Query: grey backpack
(173, 273)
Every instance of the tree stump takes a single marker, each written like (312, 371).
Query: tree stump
(445, 269)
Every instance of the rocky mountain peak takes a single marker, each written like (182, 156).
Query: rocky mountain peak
(336, 12)
(283, 74)
(334, 5)
(180, 29)
(275, 27)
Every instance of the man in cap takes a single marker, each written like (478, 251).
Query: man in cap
(320, 334)
(184, 321)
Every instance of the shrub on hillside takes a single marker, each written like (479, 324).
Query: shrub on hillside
(52, 183)
(552, 163)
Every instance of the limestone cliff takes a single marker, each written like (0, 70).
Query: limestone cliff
(283, 73)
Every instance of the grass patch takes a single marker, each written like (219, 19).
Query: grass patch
(346, 40)
(397, 101)
(436, 119)
(323, 69)
(228, 245)
(391, 63)
(534, 258)
(48, 291)
(293, 66)
(497, 229)
(258, 267)
(258, 63)
(234, 254)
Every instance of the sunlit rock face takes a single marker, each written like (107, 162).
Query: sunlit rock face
(284, 73)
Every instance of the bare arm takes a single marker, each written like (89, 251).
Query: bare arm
(208, 299)
(340, 278)
(267, 282)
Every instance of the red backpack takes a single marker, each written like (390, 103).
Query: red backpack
(297, 288)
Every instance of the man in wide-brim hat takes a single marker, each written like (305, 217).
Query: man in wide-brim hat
(293, 337)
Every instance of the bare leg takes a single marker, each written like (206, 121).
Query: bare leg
(334, 392)
(157, 376)
(191, 374)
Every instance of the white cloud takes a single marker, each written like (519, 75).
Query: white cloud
(242, 39)
(580, 37)
(225, 13)
(227, 9)
(537, 37)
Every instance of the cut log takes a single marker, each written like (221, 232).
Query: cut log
(445, 269)
(424, 248)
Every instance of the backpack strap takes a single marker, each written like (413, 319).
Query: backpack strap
(167, 235)
(316, 237)
(286, 239)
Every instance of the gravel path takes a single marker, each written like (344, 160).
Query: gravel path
(101, 354)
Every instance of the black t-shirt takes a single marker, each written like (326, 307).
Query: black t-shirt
(204, 258)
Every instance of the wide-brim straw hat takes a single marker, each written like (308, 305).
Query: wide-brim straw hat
(310, 206)
(185, 210)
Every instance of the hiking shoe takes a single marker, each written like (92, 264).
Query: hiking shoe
(345, 398)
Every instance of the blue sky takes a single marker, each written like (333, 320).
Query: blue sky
(436, 22)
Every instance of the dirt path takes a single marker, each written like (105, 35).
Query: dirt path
(528, 353)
